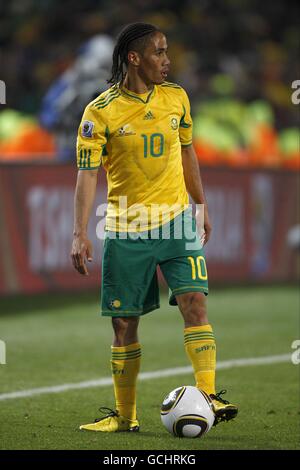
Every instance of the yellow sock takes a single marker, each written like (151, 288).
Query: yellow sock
(125, 366)
(200, 347)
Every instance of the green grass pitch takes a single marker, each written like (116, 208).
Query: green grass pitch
(53, 340)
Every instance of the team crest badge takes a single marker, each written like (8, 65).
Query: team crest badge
(115, 303)
(87, 128)
(174, 124)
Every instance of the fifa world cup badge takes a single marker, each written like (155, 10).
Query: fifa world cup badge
(87, 128)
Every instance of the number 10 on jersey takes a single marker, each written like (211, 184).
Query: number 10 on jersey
(153, 145)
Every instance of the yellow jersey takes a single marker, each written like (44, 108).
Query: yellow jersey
(138, 139)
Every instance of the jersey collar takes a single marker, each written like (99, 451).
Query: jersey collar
(140, 97)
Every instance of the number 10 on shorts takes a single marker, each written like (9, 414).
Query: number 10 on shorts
(198, 268)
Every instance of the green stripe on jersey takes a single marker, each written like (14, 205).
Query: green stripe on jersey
(186, 145)
(137, 97)
(170, 84)
(107, 102)
(106, 97)
(85, 158)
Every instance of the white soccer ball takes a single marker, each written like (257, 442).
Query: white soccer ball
(187, 412)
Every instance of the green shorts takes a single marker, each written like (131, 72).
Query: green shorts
(129, 277)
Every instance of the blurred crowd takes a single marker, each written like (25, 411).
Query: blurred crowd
(236, 58)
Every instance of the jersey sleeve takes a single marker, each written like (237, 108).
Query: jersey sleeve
(91, 140)
(186, 122)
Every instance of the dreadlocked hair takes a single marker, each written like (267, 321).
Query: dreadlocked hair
(133, 36)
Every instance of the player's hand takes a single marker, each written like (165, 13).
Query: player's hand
(203, 223)
(81, 252)
(207, 225)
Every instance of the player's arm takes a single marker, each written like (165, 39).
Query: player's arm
(191, 168)
(90, 143)
(194, 187)
(83, 202)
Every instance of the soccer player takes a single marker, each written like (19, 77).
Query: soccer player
(140, 131)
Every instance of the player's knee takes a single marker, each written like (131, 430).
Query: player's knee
(123, 324)
(195, 316)
(193, 309)
(124, 327)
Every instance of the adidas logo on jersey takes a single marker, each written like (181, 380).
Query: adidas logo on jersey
(148, 116)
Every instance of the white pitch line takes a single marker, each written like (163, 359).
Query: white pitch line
(251, 361)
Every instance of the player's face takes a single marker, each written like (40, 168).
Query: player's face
(154, 63)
